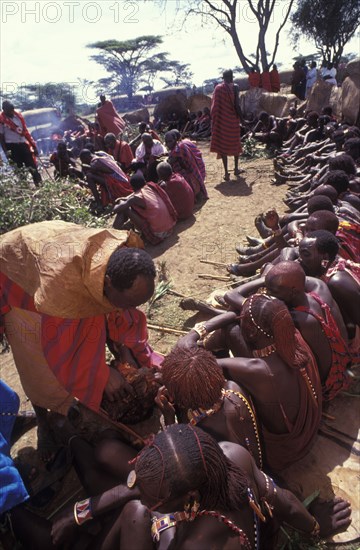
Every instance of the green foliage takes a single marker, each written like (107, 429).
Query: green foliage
(131, 62)
(21, 205)
(329, 23)
(60, 96)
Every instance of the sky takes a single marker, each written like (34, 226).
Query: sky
(45, 41)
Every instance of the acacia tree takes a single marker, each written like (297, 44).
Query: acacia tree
(329, 23)
(178, 74)
(229, 14)
(130, 62)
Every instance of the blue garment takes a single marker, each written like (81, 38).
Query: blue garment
(12, 489)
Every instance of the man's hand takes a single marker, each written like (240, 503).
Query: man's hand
(332, 515)
(163, 401)
(36, 152)
(117, 387)
(271, 219)
(63, 529)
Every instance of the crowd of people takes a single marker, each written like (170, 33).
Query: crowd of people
(241, 395)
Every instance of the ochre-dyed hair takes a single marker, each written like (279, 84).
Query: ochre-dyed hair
(189, 459)
(193, 378)
(274, 318)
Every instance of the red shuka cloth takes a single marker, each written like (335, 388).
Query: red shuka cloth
(265, 81)
(225, 123)
(282, 450)
(109, 119)
(254, 80)
(181, 195)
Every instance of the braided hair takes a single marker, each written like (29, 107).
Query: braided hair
(189, 459)
(125, 264)
(193, 377)
(273, 318)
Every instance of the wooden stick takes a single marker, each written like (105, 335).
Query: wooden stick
(166, 329)
(63, 504)
(212, 263)
(217, 277)
(176, 293)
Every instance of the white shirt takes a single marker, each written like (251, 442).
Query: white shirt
(156, 150)
(11, 136)
(311, 76)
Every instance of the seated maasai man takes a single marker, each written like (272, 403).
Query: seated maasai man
(186, 159)
(60, 281)
(102, 170)
(195, 390)
(203, 125)
(182, 469)
(120, 150)
(318, 257)
(64, 162)
(282, 379)
(148, 208)
(108, 118)
(225, 123)
(319, 320)
(178, 189)
(148, 152)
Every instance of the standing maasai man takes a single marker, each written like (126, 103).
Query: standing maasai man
(60, 283)
(225, 128)
(16, 138)
(108, 118)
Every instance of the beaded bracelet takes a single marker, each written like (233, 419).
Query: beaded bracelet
(315, 533)
(82, 511)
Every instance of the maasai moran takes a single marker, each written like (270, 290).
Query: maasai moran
(318, 257)
(108, 118)
(186, 159)
(319, 320)
(101, 169)
(178, 189)
(120, 150)
(207, 496)
(60, 282)
(225, 123)
(16, 138)
(148, 208)
(283, 380)
(196, 391)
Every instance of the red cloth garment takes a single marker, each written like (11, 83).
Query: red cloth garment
(225, 123)
(117, 184)
(23, 132)
(129, 328)
(265, 81)
(109, 119)
(352, 268)
(254, 80)
(122, 153)
(341, 359)
(181, 196)
(282, 450)
(274, 81)
(159, 215)
(83, 375)
(187, 160)
(349, 243)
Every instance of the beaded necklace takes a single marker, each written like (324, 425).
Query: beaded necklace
(264, 352)
(197, 415)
